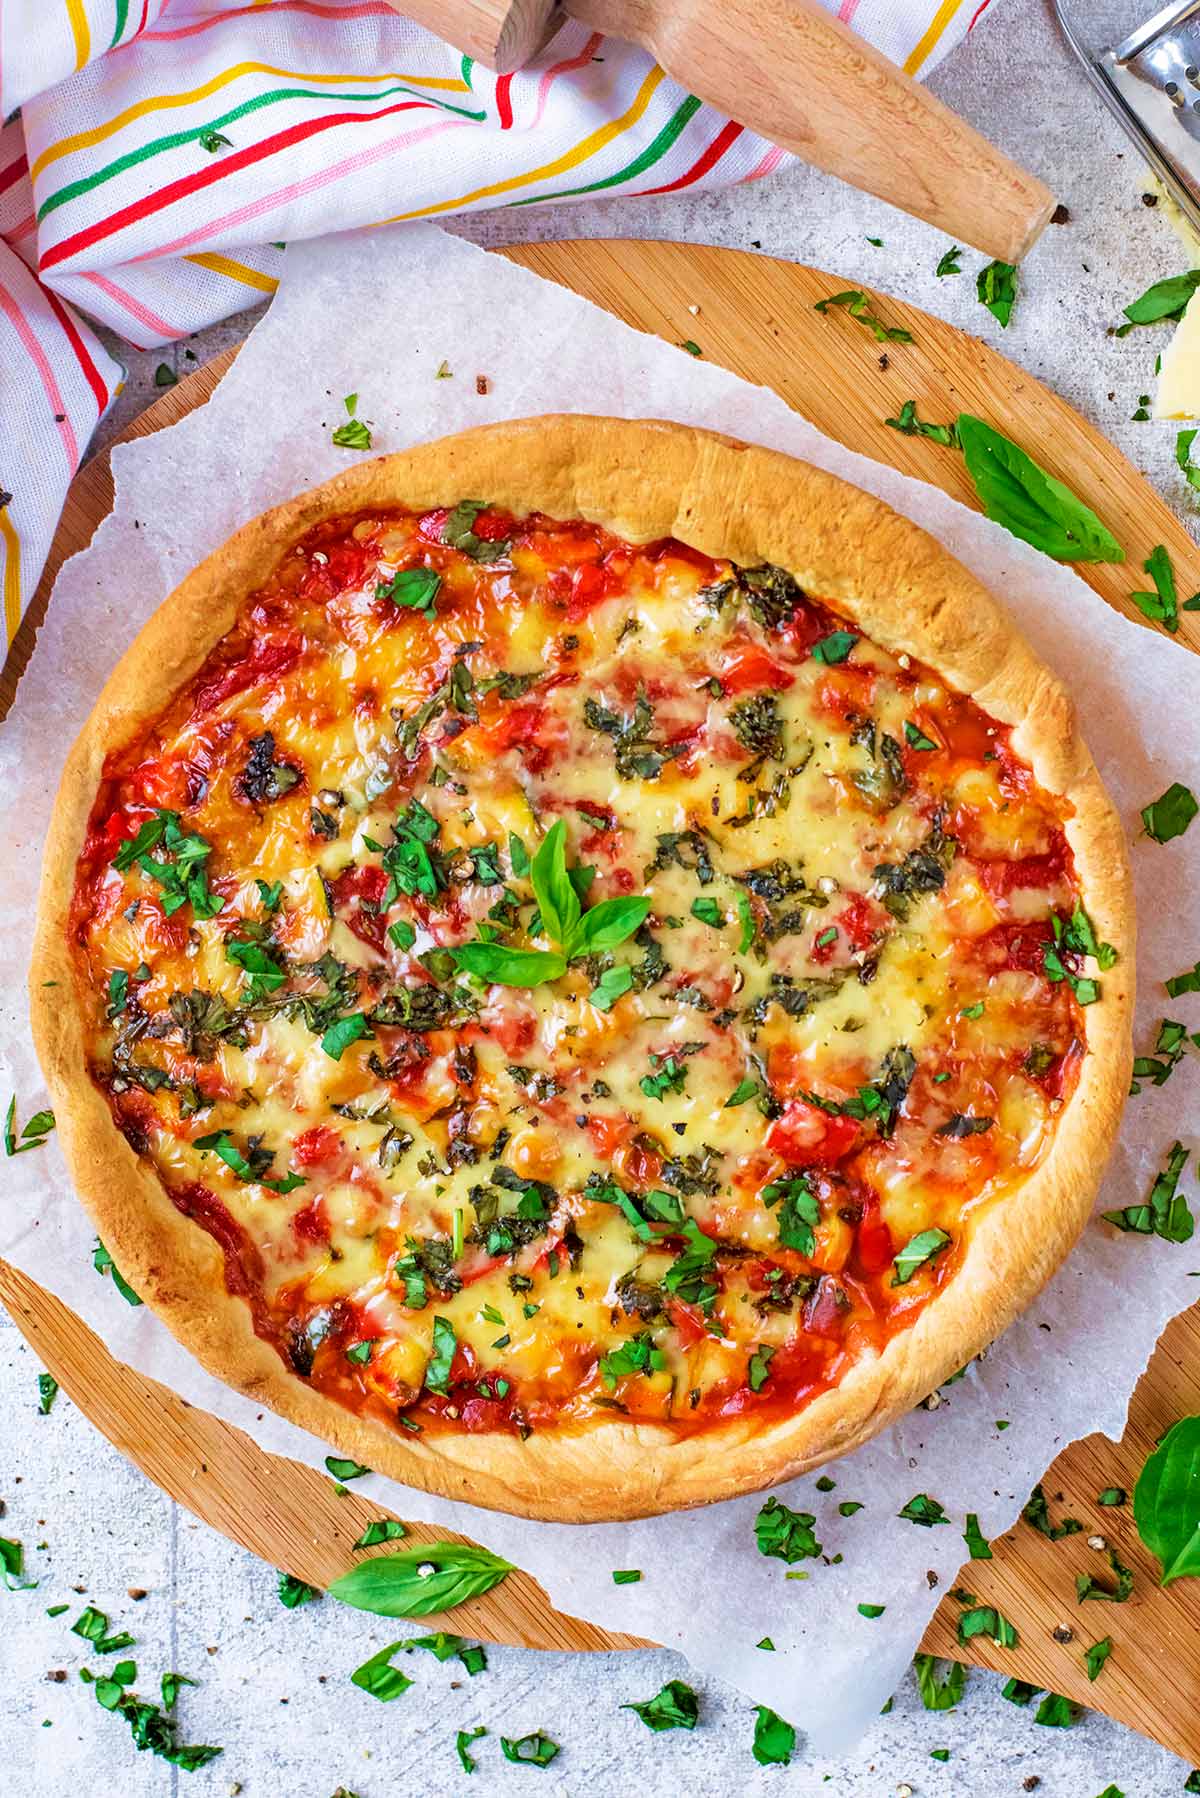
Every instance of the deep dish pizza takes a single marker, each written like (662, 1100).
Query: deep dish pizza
(587, 963)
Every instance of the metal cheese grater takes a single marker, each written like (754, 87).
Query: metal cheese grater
(1151, 84)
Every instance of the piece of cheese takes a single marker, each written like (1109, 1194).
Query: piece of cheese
(1178, 394)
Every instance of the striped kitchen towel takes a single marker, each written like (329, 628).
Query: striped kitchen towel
(158, 154)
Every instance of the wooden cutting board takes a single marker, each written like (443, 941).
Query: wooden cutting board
(756, 317)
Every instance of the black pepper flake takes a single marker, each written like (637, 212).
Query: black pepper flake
(1061, 215)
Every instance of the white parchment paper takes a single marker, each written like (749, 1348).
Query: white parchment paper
(376, 314)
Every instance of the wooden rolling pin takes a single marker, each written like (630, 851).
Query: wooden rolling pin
(799, 77)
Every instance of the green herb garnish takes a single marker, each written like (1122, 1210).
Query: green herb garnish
(1021, 496)
(923, 1247)
(33, 1136)
(675, 1706)
(414, 1582)
(1169, 815)
(1166, 1501)
(354, 434)
(785, 1535)
(996, 286)
(859, 307)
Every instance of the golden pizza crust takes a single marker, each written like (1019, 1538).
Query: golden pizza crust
(642, 480)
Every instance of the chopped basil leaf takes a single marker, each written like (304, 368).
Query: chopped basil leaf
(380, 1529)
(341, 1469)
(459, 532)
(1169, 815)
(923, 1247)
(1161, 606)
(958, 1124)
(774, 1739)
(1112, 1495)
(1036, 1513)
(871, 1610)
(915, 737)
(293, 1591)
(1184, 983)
(745, 1089)
(708, 912)
(92, 1625)
(746, 919)
(985, 1620)
(907, 422)
(785, 1535)
(250, 1168)
(612, 984)
(536, 1750)
(923, 1510)
(976, 1541)
(1191, 474)
(103, 1263)
(416, 588)
(445, 1342)
(848, 1507)
(1056, 1712)
(675, 1706)
(1086, 1586)
(33, 1136)
(834, 648)
(339, 1036)
(950, 263)
(996, 286)
(939, 1694)
(759, 1370)
(171, 1683)
(12, 1566)
(378, 1677)
(360, 1352)
(858, 306)
(799, 1212)
(355, 434)
(1166, 1212)
(626, 1576)
(1096, 1656)
(47, 1392)
(462, 1742)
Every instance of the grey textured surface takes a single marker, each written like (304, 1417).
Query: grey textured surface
(275, 1688)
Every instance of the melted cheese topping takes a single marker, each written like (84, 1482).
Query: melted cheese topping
(709, 1165)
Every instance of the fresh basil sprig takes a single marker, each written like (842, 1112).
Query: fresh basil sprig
(415, 1582)
(1166, 1501)
(575, 932)
(1030, 503)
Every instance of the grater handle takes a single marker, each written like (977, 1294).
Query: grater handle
(792, 72)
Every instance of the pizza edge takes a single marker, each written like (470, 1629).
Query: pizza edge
(643, 480)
